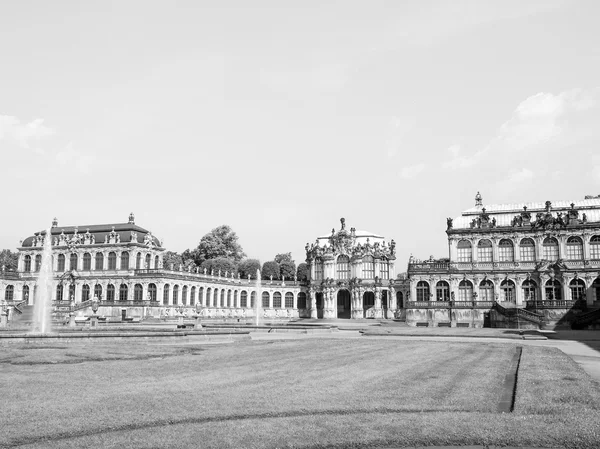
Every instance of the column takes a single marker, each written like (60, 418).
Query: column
(313, 302)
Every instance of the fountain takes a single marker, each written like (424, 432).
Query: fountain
(258, 298)
(43, 292)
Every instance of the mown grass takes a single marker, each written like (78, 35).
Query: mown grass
(303, 393)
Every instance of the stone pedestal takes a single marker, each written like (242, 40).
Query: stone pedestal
(313, 313)
(198, 324)
(94, 322)
(72, 320)
(180, 321)
(4, 319)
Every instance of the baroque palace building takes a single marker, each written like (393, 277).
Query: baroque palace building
(535, 264)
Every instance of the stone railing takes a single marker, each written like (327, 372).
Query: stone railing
(449, 304)
(10, 275)
(519, 313)
(427, 266)
(152, 272)
(130, 304)
(577, 304)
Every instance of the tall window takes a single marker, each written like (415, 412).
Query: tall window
(98, 291)
(138, 292)
(529, 290)
(222, 303)
(38, 262)
(319, 271)
(486, 290)
(506, 251)
(577, 287)
(229, 298)
(527, 248)
(422, 291)
(596, 289)
(252, 299)
(192, 296)
(507, 288)
(343, 267)
(85, 293)
(244, 299)
(125, 260)
(112, 260)
(71, 292)
(123, 292)
(27, 263)
(152, 292)
(9, 293)
(553, 290)
(465, 251)
(138, 261)
(595, 247)
(25, 296)
(156, 259)
(550, 248)
(368, 267)
(399, 300)
(277, 300)
(87, 261)
(59, 292)
(442, 291)
(484, 251)
(302, 300)
(110, 292)
(289, 300)
(235, 298)
(184, 292)
(201, 295)
(384, 269)
(175, 295)
(209, 298)
(166, 295)
(73, 262)
(61, 263)
(99, 261)
(265, 300)
(148, 259)
(574, 248)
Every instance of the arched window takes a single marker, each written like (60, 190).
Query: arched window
(244, 298)
(192, 296)
(25, 296)
(253, 299)
(553, 290)
(156, 264)
(399, 300)
(422, 291)
(277, 300)
(201, 295)
(175, 295)
(506, 251)
(184, 292)
(222, 302)
(235, 298)
(507, 288)
(27, 263)
(527, 250)
(147, 262)
(384, 269)
(138, 292)
(99, 262)
(595, 247)
(152, 292)
(38, 262)
(319, 271)
(484, 251)
(9, 293)
(368, 267)
(577, 287)
(166, 295)
(85, 293)
(123, 292)
(265, 300)
(124, 260)
(59, 291)
(87, 261)
(138, 261)
(465, 291)
(486, 290)
(209, 298)
(550, 248)
(73, 262)
(529, 288)
(464, 251)
(71, 292)
(596, 289)
(98, 291)
(302, 300)
(110, 292)
(289, 300)
(229, 298)
(112, 260)
(343, 267)
(442, 291)
(61, 263)
(574, 248)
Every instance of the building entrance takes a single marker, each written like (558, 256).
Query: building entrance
(368, 302)
(319, 304)
(343, 304)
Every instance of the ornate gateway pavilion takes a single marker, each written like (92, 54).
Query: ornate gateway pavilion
(526, 265)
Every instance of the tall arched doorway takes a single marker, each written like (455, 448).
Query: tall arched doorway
(343, 304)
(368, 302)
(384, 304)
(319, 304)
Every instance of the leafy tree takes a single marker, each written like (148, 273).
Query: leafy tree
(287, 268)
(188, 258)
(283, 257)
(269, 269)
(9, 260)
(248, 267)
(171, 257)
(221, 242)
(220, 263)
(302, 272)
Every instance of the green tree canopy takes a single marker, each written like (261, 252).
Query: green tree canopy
(269, 269)
(219, 263)
(283, 257)
(287, 268)
(9, 260)
(248, 267)
(221, 242)
(302, 272)
(171, 257)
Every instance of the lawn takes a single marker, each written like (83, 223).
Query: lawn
(292, 393)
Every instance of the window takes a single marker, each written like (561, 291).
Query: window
(110, 292)
(201, 295)
(85, 293)
(9, 293)
(595, 247)
(506, 251)
(319, 271)
(156, 264)
(61, 263)
(399, 300)
(73, 262)
(507, 288)
(184, 292)
(289, 300)
(529, 290)
(484, 251)
(442, 291)
(464, 251)
(99, 261)
(553, 290)
(123, 292)
(465, 291)
(486, 290)
(527, 248)
(166, 295)
(25, 296)
(422, 291)
(112, 260)
(277, 300)
(384, 270)
(59, 292)
(147, 262)
(87, 261)
(302, 300)
(574, 248)
(72, 292)
(192, 296)
(244, 299)
(27, 264)
(138, 292)
(577, 287)
(235, 299)
(253, 299)
(138, 261)
(265, 300)
(368, 267)
(222, 303)
(209, 298)
(550, 248)
(596, 289)
(98, 291)
(229, 298)
(125, 260)
(176, 294)
(152, 292)
(343, 267)
(38, 262)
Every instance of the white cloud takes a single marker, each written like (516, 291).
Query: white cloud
(411, 171)
(458, 161)
(78, 160)
(11, 129)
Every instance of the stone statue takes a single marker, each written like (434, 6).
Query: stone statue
(449, 222)
(343, 221)
(204, 271)
(584, 218)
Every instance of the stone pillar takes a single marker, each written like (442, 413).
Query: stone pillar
(378, 310)
(566, 289)
(313, 303)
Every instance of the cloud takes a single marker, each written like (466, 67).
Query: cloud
(23, 134)
(519, 176)
(411, 171)
(398, 128)
(458, 161)
(78, 160)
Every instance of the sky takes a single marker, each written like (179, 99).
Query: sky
(278, 118)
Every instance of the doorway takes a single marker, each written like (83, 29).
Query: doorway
(343, 304)
(319, 304)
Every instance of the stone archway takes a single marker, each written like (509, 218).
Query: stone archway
(343, 304)
(319, 304)
(368, 303)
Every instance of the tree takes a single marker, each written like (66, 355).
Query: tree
(283, 257)
(302, 272)
(172, 258)
(287, 269)
(269, 269)
(221, 242)
(220, 263)
(248, 267)
(8, 260)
